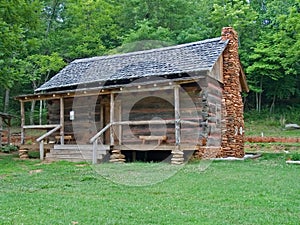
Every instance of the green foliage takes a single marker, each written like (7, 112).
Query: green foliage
(275, 58)
(17, 19)
(40, 67)
(33, 155)
(272, 124)
(86, 28)
(37, 38)
(295, 156)
(9, 148)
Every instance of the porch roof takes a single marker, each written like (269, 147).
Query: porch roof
(180, 59)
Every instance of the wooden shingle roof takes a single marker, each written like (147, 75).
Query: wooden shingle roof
(191, 57)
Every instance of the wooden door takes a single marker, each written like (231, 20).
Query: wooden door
(104, 120)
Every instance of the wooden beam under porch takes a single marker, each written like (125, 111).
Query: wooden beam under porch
(153, 147)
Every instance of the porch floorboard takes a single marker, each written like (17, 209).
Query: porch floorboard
(153, 147)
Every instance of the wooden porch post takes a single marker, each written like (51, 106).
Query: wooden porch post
(95, 148)
(177, 117)
(177, 157)
(112, 116)
(42, 150)
(22, 123)
(120, 119)
(40, 113)
(62, 121)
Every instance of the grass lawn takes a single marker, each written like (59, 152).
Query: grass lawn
(268, 129)
(261, 191)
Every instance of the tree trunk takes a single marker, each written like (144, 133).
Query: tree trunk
(260, 94)
(31, 115)
(51, 18)
(259, 102)
(272, 108)
(6, 100)
(256, 100)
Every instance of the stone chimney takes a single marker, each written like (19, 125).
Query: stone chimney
(233, 115)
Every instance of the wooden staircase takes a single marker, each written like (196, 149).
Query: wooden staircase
(76, 153)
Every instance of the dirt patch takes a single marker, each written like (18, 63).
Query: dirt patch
(81, 165)
(271, 144)
(35, 171)
(272, 139)
(3, 176)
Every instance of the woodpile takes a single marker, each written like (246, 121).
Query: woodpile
(205, 152)
(233, 130)
(117, 157)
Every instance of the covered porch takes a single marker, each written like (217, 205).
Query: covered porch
(157, 116)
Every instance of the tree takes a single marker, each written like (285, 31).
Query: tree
(84, 29)
(38, 70)
(274, 59)
(17, 19)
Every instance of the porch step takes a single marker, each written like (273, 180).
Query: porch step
(76, 153)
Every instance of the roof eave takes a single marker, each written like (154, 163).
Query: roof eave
(243, 80)
(104, 89)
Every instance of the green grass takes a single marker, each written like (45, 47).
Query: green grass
(258, 127)
(273, 147)
(262, 191)
(271, 125)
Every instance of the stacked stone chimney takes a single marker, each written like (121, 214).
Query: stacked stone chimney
(233, 119)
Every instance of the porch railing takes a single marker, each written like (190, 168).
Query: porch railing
(94, 139)
(41, 139)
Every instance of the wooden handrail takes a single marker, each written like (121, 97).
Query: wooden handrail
(57, 127)
(96, 136)
(93, 140)
(41, 140)
(143, 122)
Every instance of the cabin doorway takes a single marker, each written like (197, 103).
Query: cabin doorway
(105, 120)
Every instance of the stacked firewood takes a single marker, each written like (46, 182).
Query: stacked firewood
(204, 152)
(117, 157)
(233, 130)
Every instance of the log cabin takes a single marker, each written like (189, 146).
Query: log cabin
(171, 101)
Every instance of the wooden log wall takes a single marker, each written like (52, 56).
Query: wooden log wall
(214, 98)
(132, 107)
(87, 116)
(160, 105)
(146, 106)
(211, 99)
(190, 110)
(233, 135)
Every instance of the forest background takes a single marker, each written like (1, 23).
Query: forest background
(40, 37)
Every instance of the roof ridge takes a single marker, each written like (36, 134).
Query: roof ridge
(96, 58)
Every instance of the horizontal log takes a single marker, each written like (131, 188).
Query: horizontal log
(42, 127)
